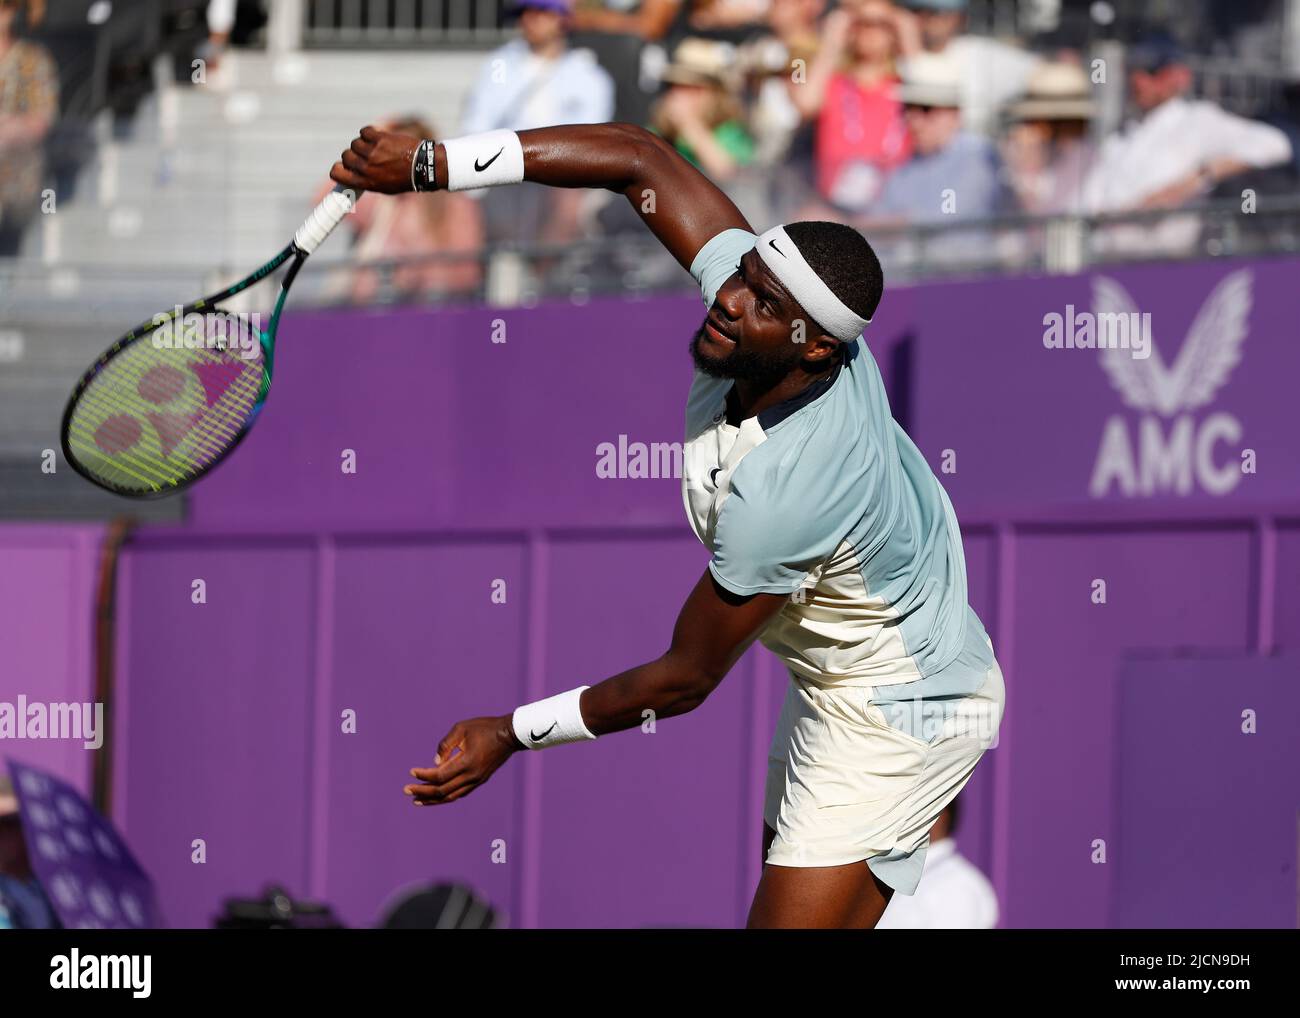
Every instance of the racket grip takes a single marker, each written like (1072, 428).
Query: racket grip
(324, 217)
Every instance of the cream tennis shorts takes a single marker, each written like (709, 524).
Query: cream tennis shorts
(844, 784)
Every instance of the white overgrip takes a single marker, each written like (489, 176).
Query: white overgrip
(324, 217)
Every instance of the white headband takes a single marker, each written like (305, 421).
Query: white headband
(781, 255)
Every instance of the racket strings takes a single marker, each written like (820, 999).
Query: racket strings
(137, 453)
(126, 390)
(147, 455)
(142, 467)
(126, 398)
(154, 415)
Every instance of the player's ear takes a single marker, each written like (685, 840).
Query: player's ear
(821, 348)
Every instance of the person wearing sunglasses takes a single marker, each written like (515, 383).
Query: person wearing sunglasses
(952, 174)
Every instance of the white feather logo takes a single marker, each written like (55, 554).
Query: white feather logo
(1210, 352)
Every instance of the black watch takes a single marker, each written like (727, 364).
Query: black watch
(422, 167)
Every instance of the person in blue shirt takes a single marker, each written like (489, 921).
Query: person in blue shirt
(536, 80)
(953, 172)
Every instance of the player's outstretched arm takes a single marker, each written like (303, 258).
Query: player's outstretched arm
(680, 205)
(713, 630)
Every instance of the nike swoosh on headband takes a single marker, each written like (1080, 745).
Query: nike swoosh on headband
(808, 288)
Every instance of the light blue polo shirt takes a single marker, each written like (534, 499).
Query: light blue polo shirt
(825, 498)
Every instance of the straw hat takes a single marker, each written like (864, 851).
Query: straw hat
(1055, 91)
(701, 62)
(930, 79)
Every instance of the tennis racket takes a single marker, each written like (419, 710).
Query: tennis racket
(173, 397)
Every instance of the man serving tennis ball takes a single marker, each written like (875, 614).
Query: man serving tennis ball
(832, 541)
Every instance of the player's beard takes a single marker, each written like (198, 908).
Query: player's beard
(762, 370)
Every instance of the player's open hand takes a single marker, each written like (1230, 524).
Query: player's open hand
(377, 160)
(467, 756)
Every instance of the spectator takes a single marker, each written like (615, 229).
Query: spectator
(29, 106)
(852, 89)
(650, 20)
(724, 15)
(700, 112)
(702, 115)
(624, 35)
(221, 19)
(777, 67)
(537, 80)
(953, 893)
(413, 227)
(952, 173)
(1046, 149)
(991, 72)
(1177, 149)
(229, 23)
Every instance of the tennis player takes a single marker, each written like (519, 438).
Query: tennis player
(832, 541)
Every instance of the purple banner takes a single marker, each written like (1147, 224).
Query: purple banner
(1225, 768)
(551, 416)
(1188, 402)
(47, 614)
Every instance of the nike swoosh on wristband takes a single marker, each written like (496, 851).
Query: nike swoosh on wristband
(538, 738)
(485, 165)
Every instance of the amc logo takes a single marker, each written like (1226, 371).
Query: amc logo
(1171, 450)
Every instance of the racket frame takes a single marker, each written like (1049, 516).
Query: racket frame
(265, 338)
(324, 218)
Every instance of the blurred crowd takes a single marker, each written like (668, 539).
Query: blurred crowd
(63, 63)
(885, 114)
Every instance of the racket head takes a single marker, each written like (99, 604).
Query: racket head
(168, 401)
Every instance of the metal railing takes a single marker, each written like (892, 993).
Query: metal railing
(634, 265)
(402, 23)
(1247, 89)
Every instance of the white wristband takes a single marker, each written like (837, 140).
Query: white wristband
(484, 160)
(552, 721)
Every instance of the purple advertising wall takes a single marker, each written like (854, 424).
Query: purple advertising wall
(47, 619)
(1203, 421)
(1199, 788)
(419, 531)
